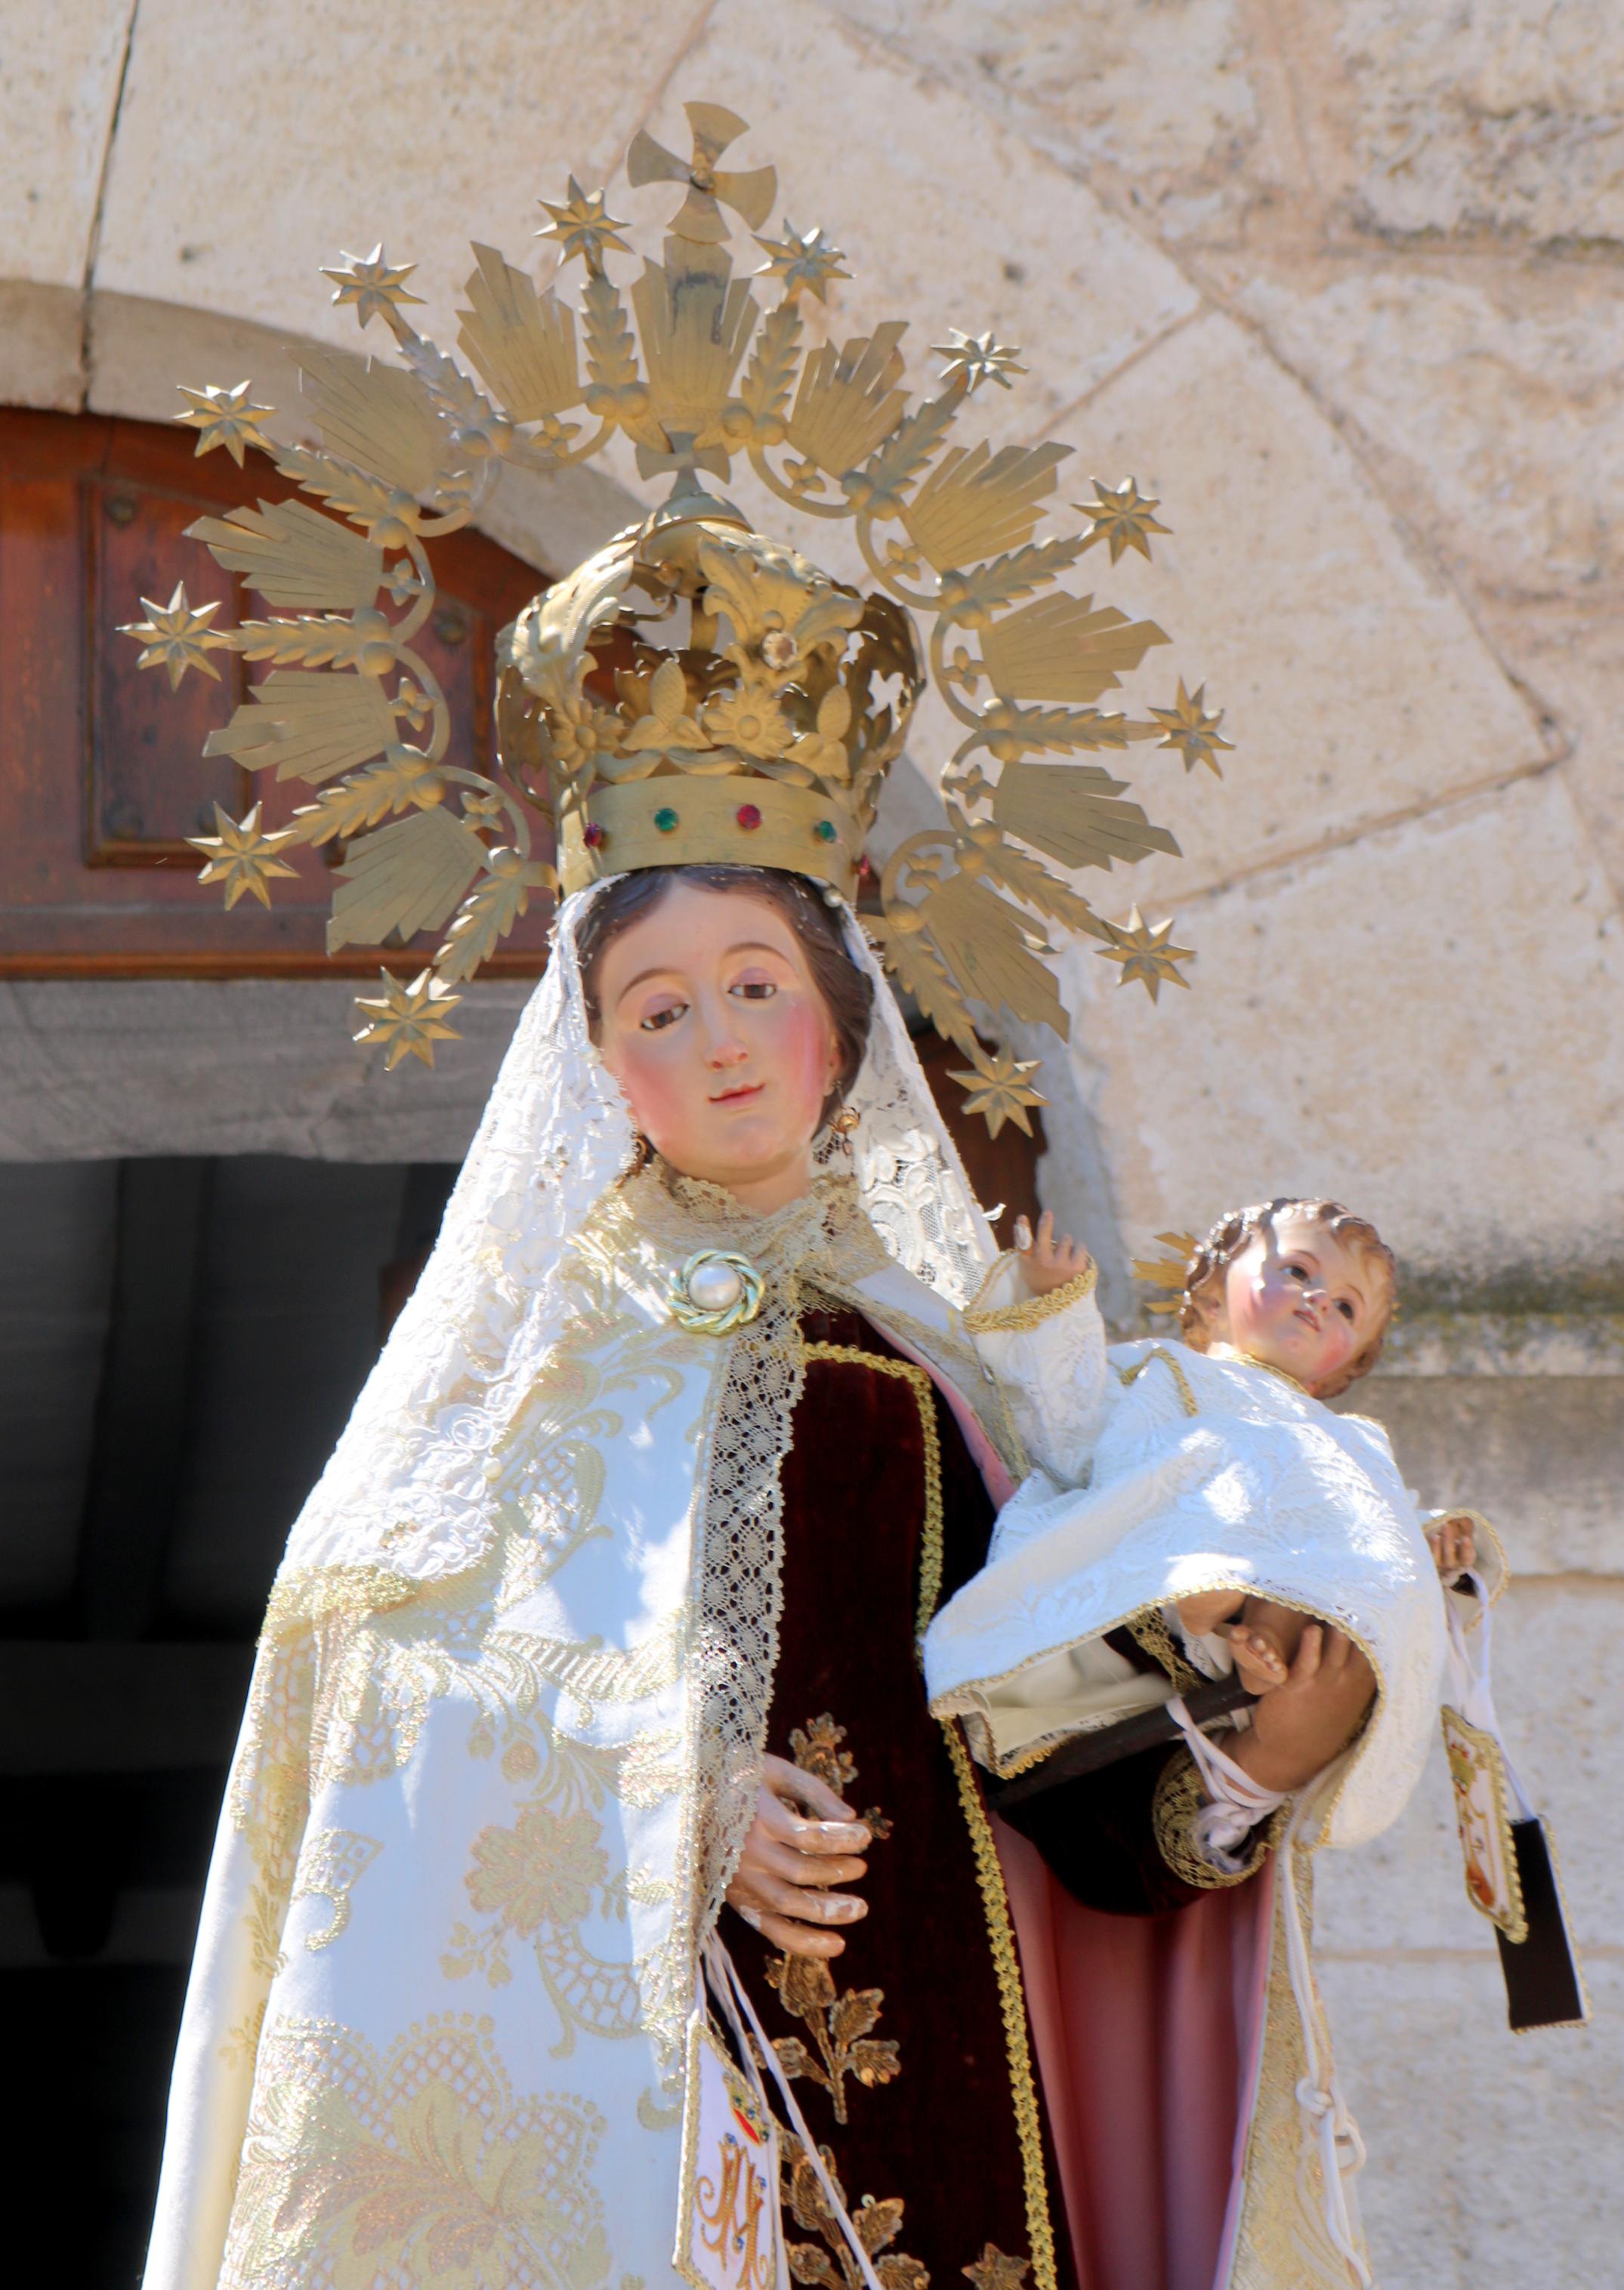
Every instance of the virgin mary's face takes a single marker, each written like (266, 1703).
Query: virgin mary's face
(713, 1027)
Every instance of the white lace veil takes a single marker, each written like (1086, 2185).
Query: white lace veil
(406, 1490)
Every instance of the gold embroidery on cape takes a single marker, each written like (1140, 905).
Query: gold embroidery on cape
(330, 1862)
(878, 2225)
(540, 1880)
(416, 2168)
(816, 1750)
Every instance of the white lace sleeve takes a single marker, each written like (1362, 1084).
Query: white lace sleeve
(1048, 1352)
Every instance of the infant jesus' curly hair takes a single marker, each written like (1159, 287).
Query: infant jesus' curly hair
(1234, 1232)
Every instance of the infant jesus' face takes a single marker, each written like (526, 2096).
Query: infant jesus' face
(1295, 1297)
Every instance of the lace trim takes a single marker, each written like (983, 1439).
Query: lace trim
(1150, 1631)
(1032, 1311)
(1179, 1799)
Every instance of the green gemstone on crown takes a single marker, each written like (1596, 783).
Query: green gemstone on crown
(665, 819)
(825, 830)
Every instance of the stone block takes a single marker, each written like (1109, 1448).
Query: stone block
(1537, 1455)
(1487, 2150)
(426, 128)
(1492, 403)
(1502, 121)
(60, 71)
(1346, 669)
(1176, 108)
(1419, 1022)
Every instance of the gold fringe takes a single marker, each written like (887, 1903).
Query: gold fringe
(1032, 1311)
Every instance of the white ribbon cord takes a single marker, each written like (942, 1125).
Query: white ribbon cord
(1469, 1681)
(734, 1995)
(1237, 1803)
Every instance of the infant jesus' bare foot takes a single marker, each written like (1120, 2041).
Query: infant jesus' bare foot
(1263, 1636)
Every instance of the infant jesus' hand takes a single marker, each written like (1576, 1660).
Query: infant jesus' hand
(1454, 1542)
(1047, 1261)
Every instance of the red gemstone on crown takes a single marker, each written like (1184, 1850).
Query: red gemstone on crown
(594, 836)
(749, 817)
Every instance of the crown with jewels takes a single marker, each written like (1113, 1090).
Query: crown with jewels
(695, 692)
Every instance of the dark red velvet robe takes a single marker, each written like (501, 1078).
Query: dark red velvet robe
(940, 2134)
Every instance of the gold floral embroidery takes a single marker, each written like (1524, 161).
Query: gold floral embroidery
(996, 2269)
(540, 1879)
(816, 1750)
(877, 2224)
(842, 2027)
(419, 2168)
(329, 1864)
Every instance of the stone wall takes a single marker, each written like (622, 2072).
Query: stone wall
(1340, 281)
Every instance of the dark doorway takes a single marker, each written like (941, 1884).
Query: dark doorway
(181, 1342)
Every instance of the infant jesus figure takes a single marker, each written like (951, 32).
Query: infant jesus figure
(1195, 1510)
(1308, 1290)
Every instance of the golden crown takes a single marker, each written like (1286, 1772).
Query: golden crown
(694, 693)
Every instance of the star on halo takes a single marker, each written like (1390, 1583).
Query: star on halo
(241, 855)
(975, 359)
(802, 261)
(371, 283)
(224, 417)
(1146, 952)
(176, 636)
(1121, 515)
(1187, 726)
(996, 1087)
(409, 1018)
(582, 225)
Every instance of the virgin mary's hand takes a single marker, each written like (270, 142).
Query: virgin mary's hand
(1310, 1718)
(790, 1862)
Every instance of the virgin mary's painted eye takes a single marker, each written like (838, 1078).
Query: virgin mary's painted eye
(656, 1020)
(754, 990)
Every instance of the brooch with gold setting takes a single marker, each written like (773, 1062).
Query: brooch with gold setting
(715, 1292)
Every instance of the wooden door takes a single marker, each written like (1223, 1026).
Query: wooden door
(102, 775)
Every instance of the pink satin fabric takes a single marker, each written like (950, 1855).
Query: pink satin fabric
(1147, 2031)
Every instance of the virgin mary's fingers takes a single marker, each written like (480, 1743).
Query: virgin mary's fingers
(786, 1828)
(792, 1867)
(798, 1938)
(802, 1788)
(760, 1891)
